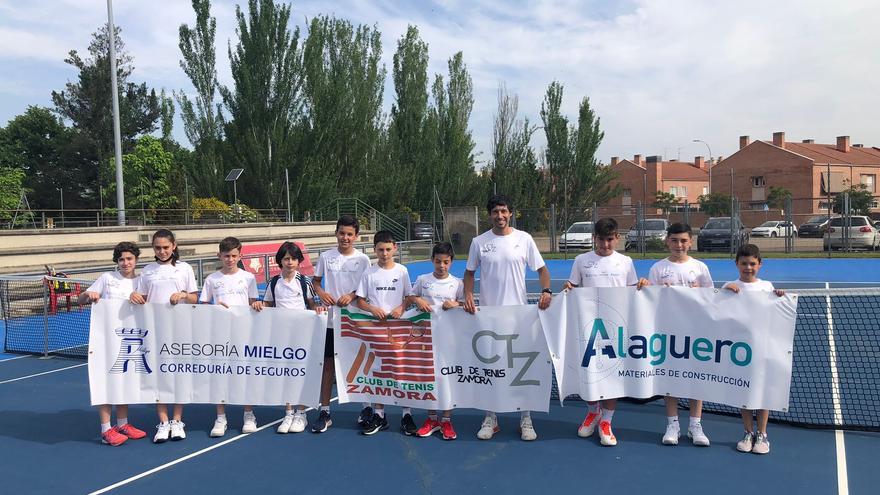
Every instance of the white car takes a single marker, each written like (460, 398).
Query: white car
(860, 233)
(775, 228)
(578, 237)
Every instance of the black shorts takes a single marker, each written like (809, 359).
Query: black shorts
(328, 344)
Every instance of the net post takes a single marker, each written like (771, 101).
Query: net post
(46, 283)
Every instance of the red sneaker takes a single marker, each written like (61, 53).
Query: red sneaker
(113, 437)
(131, 432)
(587, 428)
(606, 436)
(447, 430)
(428, 429)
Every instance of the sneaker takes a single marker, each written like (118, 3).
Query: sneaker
(408, 425)
(162, 432)
(177, 431)
(428, 429)
(131, 432)
(526, 430)
(323, 422)
(219, 428)
(587, 428)
(673, 431)
(698, 438)
(365, 415)
(250, 422)
(284, 427)
(299, 423)
(606, 436)
(113, 437)
(447, 430)
(762, 445)
(373, 425)
(489, 428)
(745, 445)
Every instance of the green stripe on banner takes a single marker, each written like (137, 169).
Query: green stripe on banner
(366, 317)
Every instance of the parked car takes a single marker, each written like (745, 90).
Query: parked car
(774, 228)
(814, 227)
(578, 237)
(422, 230)
(861, 233)
(654, 228)
(716, 234)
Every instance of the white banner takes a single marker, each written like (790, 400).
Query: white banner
(496, 360)
(204, 354)
(717, 346)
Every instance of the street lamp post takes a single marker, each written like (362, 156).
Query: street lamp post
(710, 162)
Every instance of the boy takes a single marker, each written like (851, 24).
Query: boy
(748, 262)
(231, 286)
(603, 267)
(680, 270)
(384, 291)
(444, 290)
(342, 267)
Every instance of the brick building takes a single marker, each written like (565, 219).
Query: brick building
(641, 178)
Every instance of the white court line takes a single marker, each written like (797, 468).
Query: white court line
(190, 456)
(16, 357)
(43, 373)
(842, 479)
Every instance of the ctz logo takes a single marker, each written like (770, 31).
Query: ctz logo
(528, 356)
(132, 349)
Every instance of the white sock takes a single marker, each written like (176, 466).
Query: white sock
(593, 407)
(444, 419)
(694, 422)
(325, 408)
(407, 410)
(671, 419)
(525, 414)
(432, 416)
(221, 417)
(490, 414)
(300, 412)
(121, 421)
(105, 427)
(288, 412)
(607, 414)
(381, 412)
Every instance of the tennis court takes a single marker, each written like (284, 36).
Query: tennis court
(48, 430)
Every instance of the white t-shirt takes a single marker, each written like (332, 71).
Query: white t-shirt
(385, 288)
(502, 260)
(592, 270)
(437, 290)
(341, 274)
(756, 286)
(112, 285)
(289, 294)
(234, 289)
(157, 282)
(691, 273)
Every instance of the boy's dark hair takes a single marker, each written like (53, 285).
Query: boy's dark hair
(167, 234)
(383, 236)
(125, 247)
(289, 248)
(680, 228)
(499, 200)
(443, 248)
(605, 227)
(748, 250)
(348, 221)
(230, 243)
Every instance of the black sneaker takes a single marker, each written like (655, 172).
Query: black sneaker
(375, 424)
(366, 414)
(322, 423)
(408, 425)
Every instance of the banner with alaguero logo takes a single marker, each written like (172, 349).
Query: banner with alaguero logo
(204, 354)
(734, 349)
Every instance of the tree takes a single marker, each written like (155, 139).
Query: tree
(166, 115)
(860, 200)
(715, 204)
(777, 196)
(665, 201)
(146, 176)
(11, 185)
(513, 169)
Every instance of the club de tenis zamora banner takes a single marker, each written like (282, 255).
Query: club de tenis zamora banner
(204, 354)
(734, 349)
(496, 360)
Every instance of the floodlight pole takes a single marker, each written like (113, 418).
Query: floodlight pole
(234, 192)
(117, 135)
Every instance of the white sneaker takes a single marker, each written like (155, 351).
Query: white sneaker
(250, 422)
(745, 445)
(299, 423)
(219, 428)
(177, 431)
(162, 432)
(526, 430)
(606, 436)
(698, 438)
(588, 426)
(489, 428)
(762, 445)
(672, 433)
(284, 427)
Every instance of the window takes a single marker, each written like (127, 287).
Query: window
(758, 181)
(627, 193)
(679, 191)
(705, 190)
(869, 180)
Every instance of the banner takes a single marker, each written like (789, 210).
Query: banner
(158, 353)
(496, 360)
(717, 346)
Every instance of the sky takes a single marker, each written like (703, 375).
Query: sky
(659, 73)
